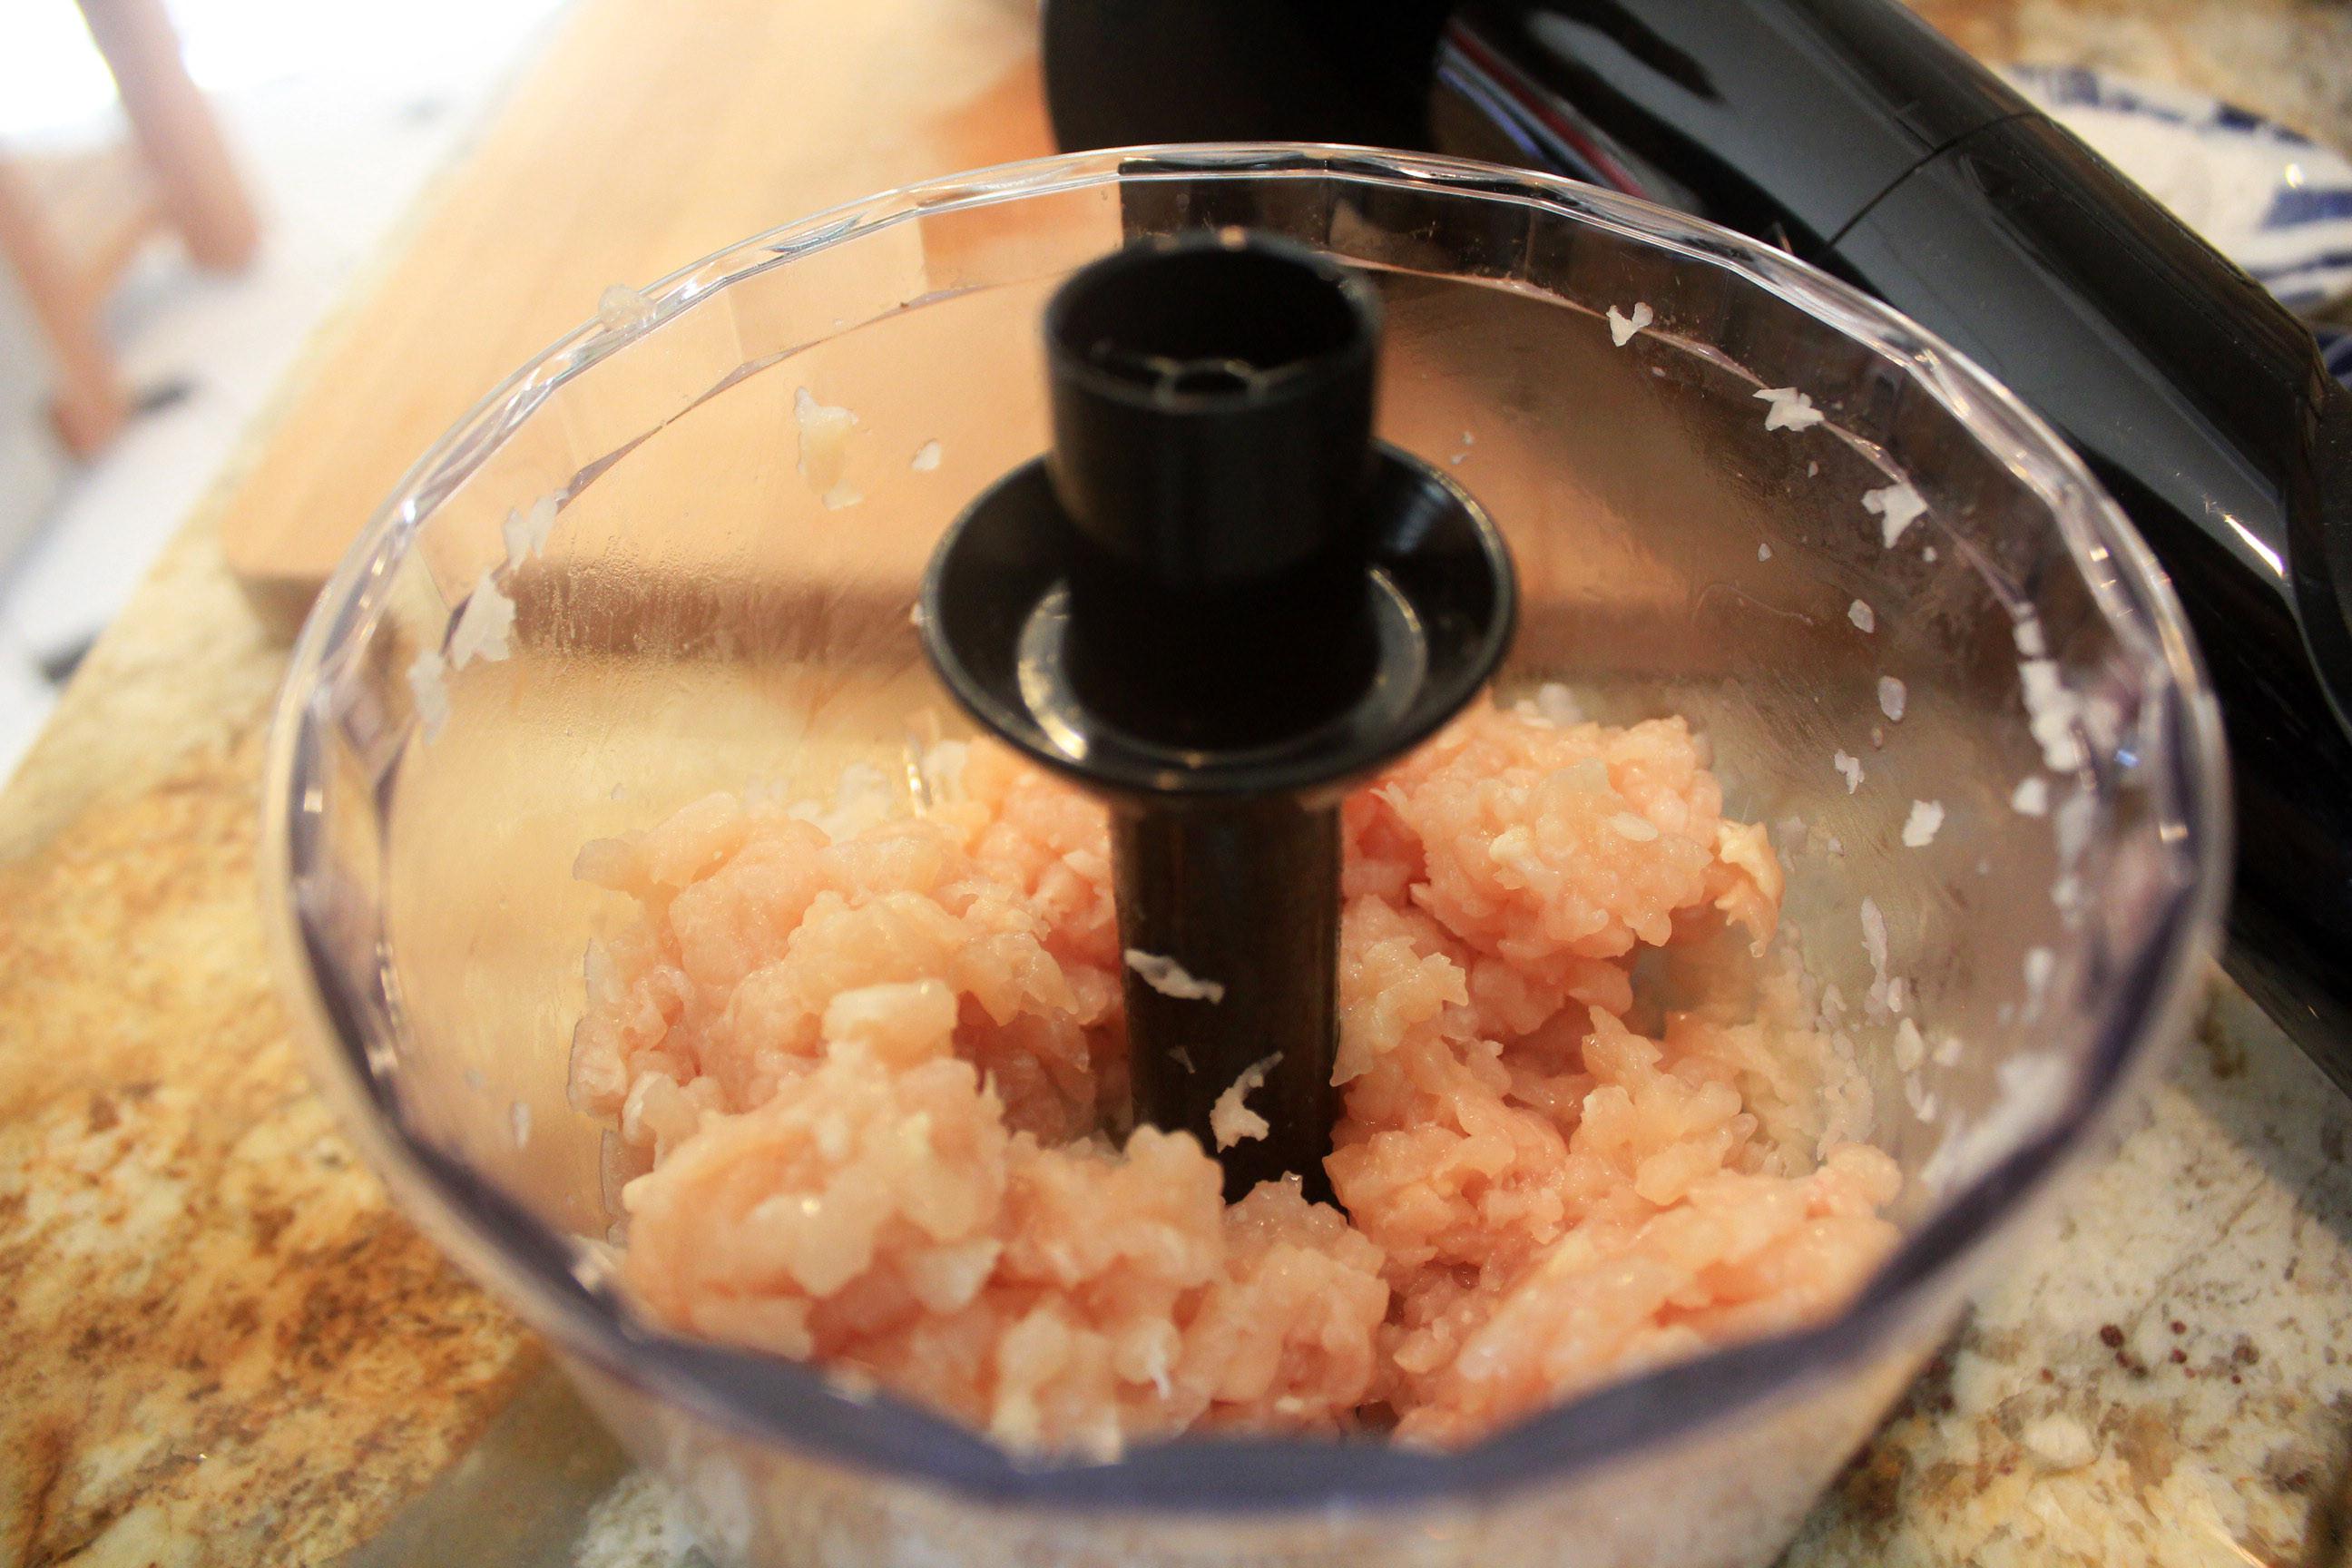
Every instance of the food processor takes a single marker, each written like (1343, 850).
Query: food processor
(686, 550)
(1851, 134)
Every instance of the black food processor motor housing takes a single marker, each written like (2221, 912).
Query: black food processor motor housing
(1854, 136)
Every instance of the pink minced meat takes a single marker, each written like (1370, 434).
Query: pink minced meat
(881, 1083)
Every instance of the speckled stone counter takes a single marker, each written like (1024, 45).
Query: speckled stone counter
(2166, 1377)
(223, 1347)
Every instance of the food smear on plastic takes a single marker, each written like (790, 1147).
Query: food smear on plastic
(429, 681)
(825, 431)
(620, 306)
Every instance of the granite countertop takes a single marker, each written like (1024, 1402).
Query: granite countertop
(224, 1347)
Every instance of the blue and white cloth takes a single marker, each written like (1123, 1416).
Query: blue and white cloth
(2270, 199)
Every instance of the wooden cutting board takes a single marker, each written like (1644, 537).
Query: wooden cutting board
(649, 135)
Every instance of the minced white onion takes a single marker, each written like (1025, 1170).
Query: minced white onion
(1897, 507)
(1621, 328)
(1169, 978)
(1790, 410)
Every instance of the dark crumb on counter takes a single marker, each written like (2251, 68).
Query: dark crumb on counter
(2224, 1057)
(2291, 1471)
(1930, 1391)
(1872, 1486)
(2110, 1335)
(269, 1222)
(1933, 1391)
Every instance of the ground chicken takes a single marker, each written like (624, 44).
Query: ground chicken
(879, 1072)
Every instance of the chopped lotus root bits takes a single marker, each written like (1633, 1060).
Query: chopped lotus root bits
(428, 678)
(1621, 327)
(1169, 978)
(525, 533)
(485, 627)
(620, 306)
(1790, 410)
(825, 448)
(1897, 507)
(1231, 1119)
(876, 1070)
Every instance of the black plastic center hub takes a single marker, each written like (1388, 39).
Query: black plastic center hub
(1212, 416)
(1217, 602)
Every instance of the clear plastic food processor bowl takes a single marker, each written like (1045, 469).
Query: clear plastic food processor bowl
(699, 603)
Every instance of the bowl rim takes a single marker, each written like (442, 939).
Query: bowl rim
(561, 1286)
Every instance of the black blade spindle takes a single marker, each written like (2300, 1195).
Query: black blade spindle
(1215, 602)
